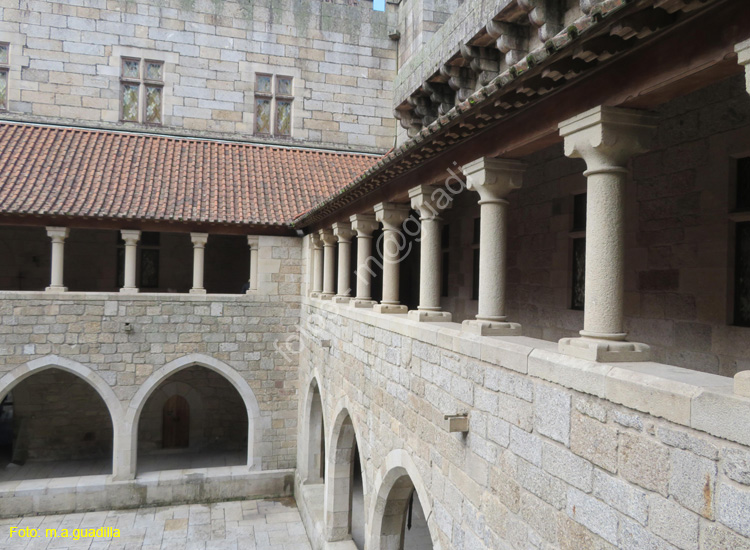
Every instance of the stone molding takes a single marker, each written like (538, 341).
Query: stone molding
(493, 178)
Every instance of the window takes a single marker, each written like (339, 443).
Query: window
(4, 69)
(742, 245)
(148, 247)
(273, 105)
(142, 90)
(445, 268)
(578, 238)
(475, 246)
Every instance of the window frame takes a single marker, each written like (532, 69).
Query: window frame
(5, 70)
(142, 83)
(740, 220)
(274, 97)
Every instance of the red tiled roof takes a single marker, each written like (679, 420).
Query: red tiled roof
(56, 171)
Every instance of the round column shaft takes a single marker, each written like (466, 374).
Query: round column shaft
(317, 267)
(199, 246)
(363, 225)
(391, 215)
(58, 236)
(329, 264)
(131, 239)
(343, 233)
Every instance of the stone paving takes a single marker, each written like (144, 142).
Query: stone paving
(238, 525)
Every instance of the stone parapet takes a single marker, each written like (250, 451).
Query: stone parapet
(575, 453)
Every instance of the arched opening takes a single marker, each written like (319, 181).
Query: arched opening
(316, 449)
(54, 424)
(195, 418)
(345, 488)
(404, 523)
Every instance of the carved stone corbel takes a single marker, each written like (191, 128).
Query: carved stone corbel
(546, 15)
(460, 79)
(512, 40)
(485, 62)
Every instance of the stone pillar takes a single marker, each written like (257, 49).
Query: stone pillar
(343, 232)
(493, 179)
(329, 264)
(424, 199)
(363, 225)
(252, 242)
(199, 248)
(391, 215)
(743, 58)
(58, 236)
(131, 238)
(317, 266)
(606, 138)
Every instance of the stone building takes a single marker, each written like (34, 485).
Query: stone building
(460, 275)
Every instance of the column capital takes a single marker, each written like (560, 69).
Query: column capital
(607, 137)
(326, 235)
(429, 201)
(130, 236)
(58, 234)
(315, 240)
(364, 224)
(199, 239)
(494, 178)
(743, 58)
(391, 214)
(252, 241)
(343, 231)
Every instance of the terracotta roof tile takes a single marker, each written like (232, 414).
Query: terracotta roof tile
(77, 172)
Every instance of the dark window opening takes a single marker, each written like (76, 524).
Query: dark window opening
(743, 184)
(742, 276)
(579, 274)
(475, 276)
(579, 212)
(446, 261)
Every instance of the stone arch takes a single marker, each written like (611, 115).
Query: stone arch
(342, 442)
(395, 482)
(163, 393)
(314, 443)
(138, 401)
(11, 379)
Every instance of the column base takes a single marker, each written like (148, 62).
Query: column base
(129, 291)
(491, 328)
(341, 299)
(315, 294)
(361, 303)
(390, 308)
(604, 351)
(424, 316)
(197, 291)
(55, 289)
(326, 295)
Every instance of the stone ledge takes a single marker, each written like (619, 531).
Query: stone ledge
(169, 487)
(702, 401)
(138, 297)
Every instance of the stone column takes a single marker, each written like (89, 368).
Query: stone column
(424, 199)
(363, 225)
(252, 242)
(743, 58)
(391, 215)
(493, 179)
(317, 266)
(343, 232)
(199, 248)
(131, 238)
(58, 236)
(329, 264)
(606, 138)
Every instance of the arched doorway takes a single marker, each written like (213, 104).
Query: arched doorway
(400, 515)
(316, 449)
(195, 418)
(54, 423)
(344, 486)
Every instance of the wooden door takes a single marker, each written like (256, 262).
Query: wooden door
(176, 423)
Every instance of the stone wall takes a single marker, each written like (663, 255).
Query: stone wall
(126, 340)
(560, 453)
(58, 416)
(65, 64)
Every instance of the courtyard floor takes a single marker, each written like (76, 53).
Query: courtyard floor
(238, 525)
